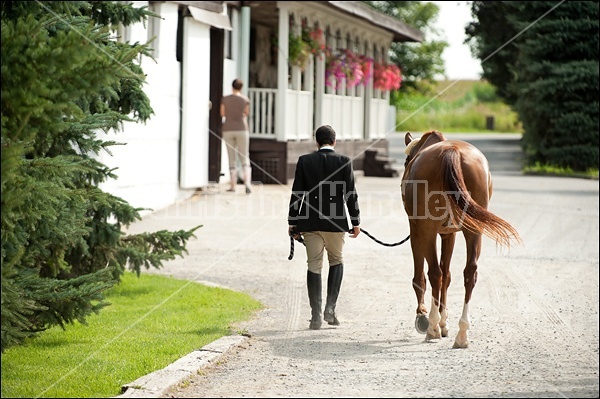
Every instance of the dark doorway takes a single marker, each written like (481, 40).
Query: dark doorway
(217, 42)
(179, 56)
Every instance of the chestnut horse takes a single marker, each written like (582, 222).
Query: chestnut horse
(446, 188)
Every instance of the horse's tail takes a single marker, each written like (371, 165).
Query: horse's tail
(466, 213)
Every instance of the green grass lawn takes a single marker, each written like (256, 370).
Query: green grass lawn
(151, 322)
(462, 106)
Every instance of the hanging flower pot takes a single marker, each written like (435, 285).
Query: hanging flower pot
(386, 77)
(298, 51)
(301, 46)
(344, 64)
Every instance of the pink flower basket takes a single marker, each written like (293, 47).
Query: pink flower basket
(387, 77)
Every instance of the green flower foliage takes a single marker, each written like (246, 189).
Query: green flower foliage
(64, 79)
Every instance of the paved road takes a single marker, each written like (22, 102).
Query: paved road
(534, 310)
(502, 150)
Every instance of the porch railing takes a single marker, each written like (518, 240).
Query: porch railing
(345, 114)
(298, 115)
(379, 118)
(261, 121)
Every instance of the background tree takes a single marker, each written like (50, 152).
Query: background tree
(420, 63)
(492, 45)
(65, 77)
(543, 58)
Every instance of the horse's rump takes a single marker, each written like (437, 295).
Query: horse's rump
(465, 212)
(448, 183)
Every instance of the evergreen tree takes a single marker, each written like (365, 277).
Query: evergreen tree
(493, 45)
(65, 78)
(544, 61)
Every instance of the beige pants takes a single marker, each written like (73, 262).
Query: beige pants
(238, 143)
(317, 242)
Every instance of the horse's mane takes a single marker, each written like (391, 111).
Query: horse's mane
(439, 135)
(423, 139)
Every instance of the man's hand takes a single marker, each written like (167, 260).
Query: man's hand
(292, 232)
(354, 232)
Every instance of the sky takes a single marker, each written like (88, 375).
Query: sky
(452, 19)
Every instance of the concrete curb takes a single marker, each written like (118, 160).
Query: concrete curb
(157, 383)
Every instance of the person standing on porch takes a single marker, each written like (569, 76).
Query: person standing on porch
(235, 109)
(323, 194)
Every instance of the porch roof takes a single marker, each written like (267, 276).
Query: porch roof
(400, 31)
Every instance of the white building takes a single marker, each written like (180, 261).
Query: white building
(200, 47)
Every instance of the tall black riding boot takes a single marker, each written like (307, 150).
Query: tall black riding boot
(313, 282)
(334, 282)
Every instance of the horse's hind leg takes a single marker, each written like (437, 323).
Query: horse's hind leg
(418, 282)
(470, 279)
(447, 249)
(435, 280)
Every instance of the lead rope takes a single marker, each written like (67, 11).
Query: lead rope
(383, 243)
(301, 240)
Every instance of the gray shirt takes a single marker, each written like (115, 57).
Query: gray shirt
(234, 112)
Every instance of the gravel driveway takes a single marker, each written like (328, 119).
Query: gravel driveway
(534, 311)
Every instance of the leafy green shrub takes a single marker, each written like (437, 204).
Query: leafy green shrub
(485, 93)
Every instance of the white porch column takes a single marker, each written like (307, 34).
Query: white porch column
(331, 43)
(368, 96)
(386, 58)
(282, 70)
(245, 48)
(387, 96)
(296, 70)
(319, 89)
(308, 74)
(341, 89)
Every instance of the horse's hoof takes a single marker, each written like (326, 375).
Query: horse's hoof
(462, 340)
(460, 345)
(444, 332)
(433, 335)
(421, 323)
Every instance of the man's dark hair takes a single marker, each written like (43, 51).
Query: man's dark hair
(325, 135)
(237, 84)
